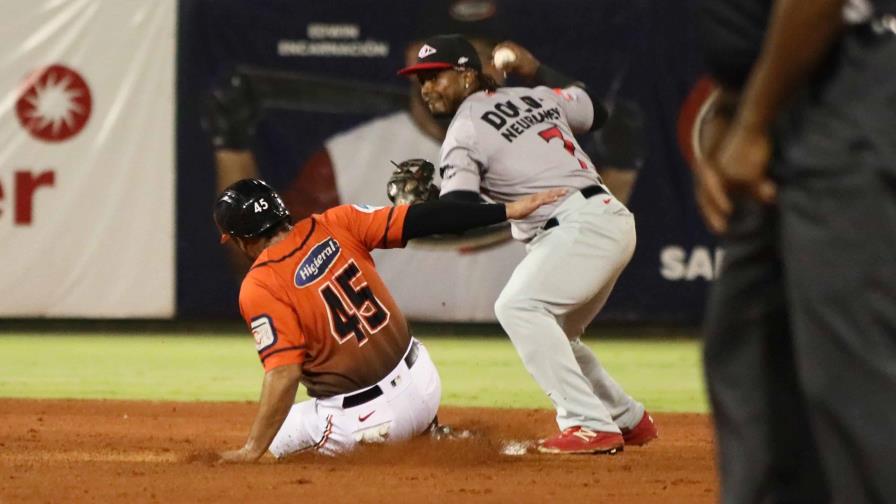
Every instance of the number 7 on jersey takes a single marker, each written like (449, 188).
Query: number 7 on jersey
(554, 132)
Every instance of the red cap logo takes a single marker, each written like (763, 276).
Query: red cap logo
(55, 104)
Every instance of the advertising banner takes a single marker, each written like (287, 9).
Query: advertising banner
(87, 158)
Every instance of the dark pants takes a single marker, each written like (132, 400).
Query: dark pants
(800, 347)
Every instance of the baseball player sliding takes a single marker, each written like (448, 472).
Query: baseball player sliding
(322, 316)
(511, 141)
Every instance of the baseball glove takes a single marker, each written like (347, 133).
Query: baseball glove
(411, 182)
(230, 111)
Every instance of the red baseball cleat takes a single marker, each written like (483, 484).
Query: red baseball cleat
(582, 440)
(642, 433)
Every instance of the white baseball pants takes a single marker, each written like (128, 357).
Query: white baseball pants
(406, 408)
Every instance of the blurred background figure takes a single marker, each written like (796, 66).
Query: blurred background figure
(796, 172)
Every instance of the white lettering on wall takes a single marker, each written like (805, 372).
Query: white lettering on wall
(700, 263)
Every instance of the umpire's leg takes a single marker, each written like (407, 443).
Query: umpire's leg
(765, 448)
(839, 245)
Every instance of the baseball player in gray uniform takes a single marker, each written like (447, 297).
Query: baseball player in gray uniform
(507, 142)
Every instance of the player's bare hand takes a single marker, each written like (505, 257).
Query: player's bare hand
(712, 198)
(242, 455)
(518, 61)
(742, 162)
(525, 206)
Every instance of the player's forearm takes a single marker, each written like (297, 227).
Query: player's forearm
(449, 217)
(800, 35)
(524, 64)
(233, 165)
(278, 393)
(550, 77)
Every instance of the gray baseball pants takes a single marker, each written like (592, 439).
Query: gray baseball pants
(555, 291)
(800, 347)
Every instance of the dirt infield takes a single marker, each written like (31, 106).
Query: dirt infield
(128, 451)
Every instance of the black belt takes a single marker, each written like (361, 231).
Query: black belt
(587, 192)
(359, 398)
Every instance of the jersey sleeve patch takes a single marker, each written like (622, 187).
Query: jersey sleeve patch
(367, 208)
(264, 333)
(562, 93)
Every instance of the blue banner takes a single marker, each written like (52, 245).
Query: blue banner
(321, 80)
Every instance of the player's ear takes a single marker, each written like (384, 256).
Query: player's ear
(469, 78)
(240, 243)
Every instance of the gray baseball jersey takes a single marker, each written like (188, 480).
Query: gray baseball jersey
(517, 141)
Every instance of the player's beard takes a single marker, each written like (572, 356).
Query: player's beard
(444, 115)
(443, 118)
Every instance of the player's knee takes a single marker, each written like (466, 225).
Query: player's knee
(500, 310)
(509, 308)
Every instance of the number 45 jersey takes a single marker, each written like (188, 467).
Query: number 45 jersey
(517, 141)
(315, 299)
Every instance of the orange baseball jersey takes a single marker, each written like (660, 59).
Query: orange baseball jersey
(315, 299)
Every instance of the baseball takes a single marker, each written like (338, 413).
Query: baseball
(503, 57)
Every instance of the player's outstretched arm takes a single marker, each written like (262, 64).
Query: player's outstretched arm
(522, 207)
(449, 217)
(278, 392)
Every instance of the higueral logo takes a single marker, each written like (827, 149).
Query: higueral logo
(317, 262)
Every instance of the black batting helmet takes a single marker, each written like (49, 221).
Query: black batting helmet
(247, 208)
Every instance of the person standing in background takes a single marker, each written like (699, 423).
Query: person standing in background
(799, 177)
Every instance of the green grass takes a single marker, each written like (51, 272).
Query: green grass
(664, 374)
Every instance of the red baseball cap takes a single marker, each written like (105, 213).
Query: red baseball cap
(442, 52)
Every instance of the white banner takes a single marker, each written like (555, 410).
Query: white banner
(87, 158)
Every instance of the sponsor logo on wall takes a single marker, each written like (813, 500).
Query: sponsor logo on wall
(678, 264)
(333, 40)
(87, 166)
(53, 105)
